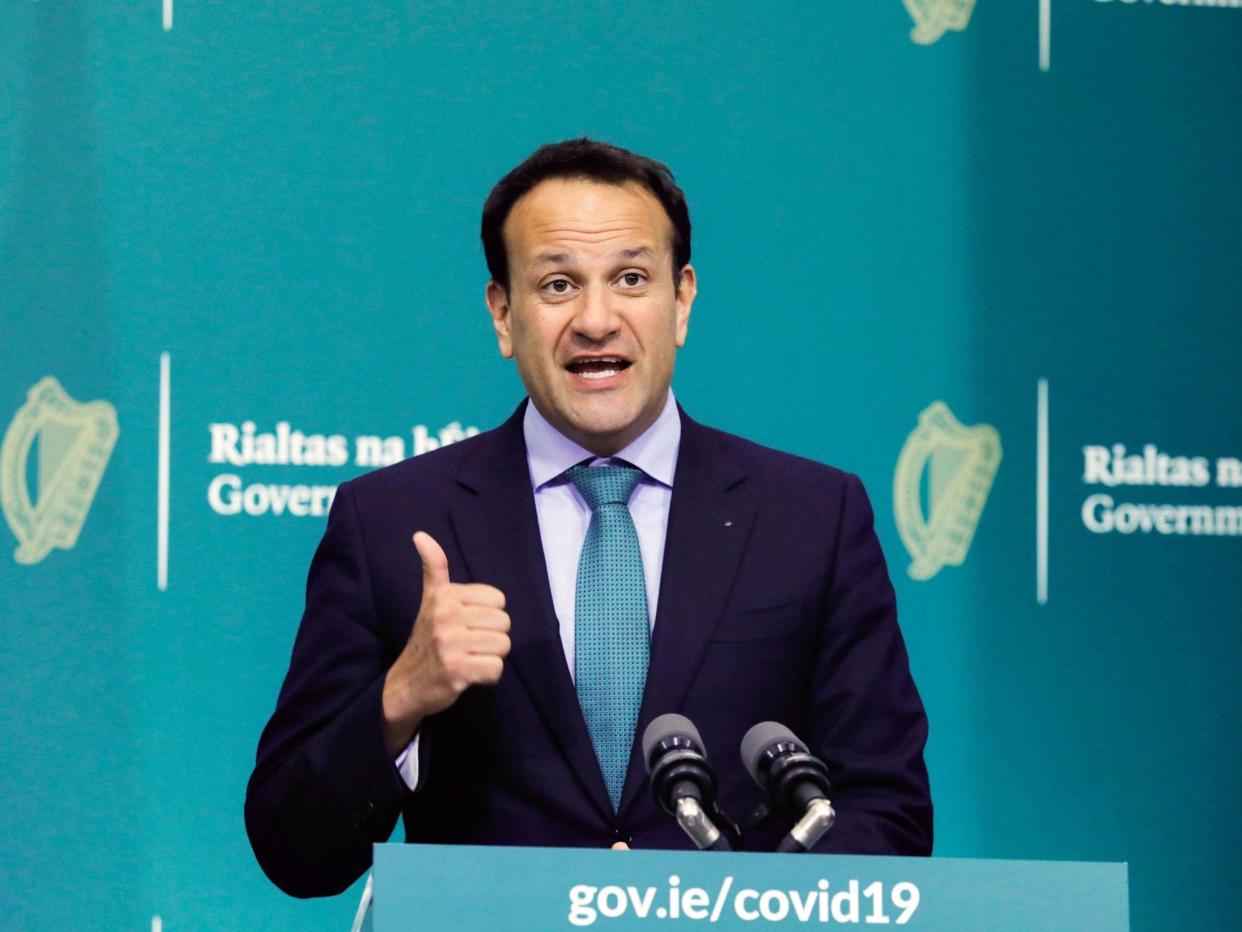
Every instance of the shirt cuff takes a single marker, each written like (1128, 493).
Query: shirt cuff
(407, 764)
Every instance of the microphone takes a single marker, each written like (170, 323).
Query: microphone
(681, 779)
(795, 780)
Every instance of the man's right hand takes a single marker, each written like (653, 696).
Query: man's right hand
(460, 638)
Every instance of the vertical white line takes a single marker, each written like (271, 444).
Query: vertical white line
(168, 11)
(364, 906)
(1041, 492)
(1045, 34)
(157, 924)
(161, 541)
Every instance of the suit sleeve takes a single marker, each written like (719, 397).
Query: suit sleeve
(867, 718)
(323, 788)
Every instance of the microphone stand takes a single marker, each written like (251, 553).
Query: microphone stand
(701, 829)
(810, 828)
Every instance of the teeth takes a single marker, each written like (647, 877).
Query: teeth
(598, 367)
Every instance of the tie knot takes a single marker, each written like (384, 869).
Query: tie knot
(604, 485)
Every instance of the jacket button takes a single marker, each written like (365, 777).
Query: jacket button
(621, 835)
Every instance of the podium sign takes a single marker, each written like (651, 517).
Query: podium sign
(447, 887)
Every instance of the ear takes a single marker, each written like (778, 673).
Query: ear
(497, 297)
(687, 288)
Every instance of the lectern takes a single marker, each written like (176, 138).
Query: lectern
(453, 887)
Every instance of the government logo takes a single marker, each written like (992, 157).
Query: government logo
(933, 18)
(952, 468)
(68, 444)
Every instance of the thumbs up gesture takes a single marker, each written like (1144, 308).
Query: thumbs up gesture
(460, 638)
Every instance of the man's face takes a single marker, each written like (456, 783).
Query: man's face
(591, 314)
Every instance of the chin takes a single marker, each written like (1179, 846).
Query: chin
(602, 428)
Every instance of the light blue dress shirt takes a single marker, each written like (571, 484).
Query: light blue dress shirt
(564, 517)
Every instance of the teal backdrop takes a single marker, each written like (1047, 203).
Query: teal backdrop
(280, 201)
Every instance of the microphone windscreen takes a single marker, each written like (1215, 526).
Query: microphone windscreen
(667, 726)
(759, 739)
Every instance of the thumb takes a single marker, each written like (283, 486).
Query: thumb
(435, 563)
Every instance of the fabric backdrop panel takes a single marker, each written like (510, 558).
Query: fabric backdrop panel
(251, 233)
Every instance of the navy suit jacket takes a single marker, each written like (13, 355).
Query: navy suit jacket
(775, 604)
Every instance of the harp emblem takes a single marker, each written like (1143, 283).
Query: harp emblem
(933, 18)
(64, 446)
(960, 464)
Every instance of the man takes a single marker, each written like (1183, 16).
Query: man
(596, 561)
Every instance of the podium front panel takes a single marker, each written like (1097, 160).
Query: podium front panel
(450, 887)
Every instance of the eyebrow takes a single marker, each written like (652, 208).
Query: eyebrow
(557, 258)
(638, 252)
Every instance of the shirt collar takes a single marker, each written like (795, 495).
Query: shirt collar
(549, 452)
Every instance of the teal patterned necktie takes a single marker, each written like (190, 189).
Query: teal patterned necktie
(610, 620)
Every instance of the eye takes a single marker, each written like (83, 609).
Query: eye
(558, 286)
(632, 279)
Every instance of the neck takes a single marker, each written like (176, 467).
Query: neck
(611, 443)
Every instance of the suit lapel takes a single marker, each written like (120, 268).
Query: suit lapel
(498, 530)
(708, 524)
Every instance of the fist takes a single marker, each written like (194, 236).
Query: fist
(460, 638)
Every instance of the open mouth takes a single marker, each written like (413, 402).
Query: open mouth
(598, 367)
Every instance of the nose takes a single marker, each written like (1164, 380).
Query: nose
(596, 319)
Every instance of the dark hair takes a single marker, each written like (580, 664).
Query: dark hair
(582, 158)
